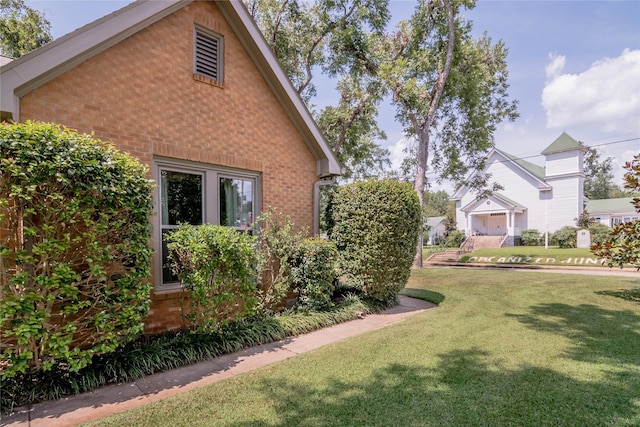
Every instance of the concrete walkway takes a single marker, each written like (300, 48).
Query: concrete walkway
(117, 398)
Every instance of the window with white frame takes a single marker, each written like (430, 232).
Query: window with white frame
(191, 193)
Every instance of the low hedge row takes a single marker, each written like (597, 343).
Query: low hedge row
(149, 355)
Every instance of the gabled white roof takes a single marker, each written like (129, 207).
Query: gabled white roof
(23, 75)
(498, 202)
(529, 170)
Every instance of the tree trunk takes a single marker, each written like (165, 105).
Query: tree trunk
(419, 185)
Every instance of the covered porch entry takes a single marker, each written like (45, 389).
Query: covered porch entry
(495, 215)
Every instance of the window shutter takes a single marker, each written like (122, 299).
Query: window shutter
(208, 55)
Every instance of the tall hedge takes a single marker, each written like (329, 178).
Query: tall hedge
(375, 229)
(74, 247)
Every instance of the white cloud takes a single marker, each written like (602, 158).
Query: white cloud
(398, 152)
(556, 65)
(605, 96)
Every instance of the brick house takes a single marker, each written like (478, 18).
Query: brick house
(193, 91)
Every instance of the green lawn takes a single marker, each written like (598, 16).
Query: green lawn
(504, 348)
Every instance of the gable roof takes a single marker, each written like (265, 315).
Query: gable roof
(503, 202)
(564, 143)
(25, 74)
(610, 206)
(533, 169)
(536, 172)
(434, 221)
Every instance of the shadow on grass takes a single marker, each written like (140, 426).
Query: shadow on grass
(597, 334)
(462, 390)
(468, 387)
(632, 295)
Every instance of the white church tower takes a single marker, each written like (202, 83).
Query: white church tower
(564, 172)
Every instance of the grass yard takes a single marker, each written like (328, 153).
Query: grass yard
(504, 348)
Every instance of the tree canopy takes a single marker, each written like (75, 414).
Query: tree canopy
(598, 182)
(623, 246)
(329, 37)
(22, 29)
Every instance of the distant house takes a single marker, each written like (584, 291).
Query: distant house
(192, 90)
(611, 212)
(435, 229)
(544, 198)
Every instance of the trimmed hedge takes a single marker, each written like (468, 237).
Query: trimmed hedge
(375, 228)
(74, 247)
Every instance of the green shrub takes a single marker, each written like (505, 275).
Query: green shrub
(530, 237)
(376, 231)
(314, 274)
(217, 266)
(278, 254)
(566, 237)
(455, 238)
(599, 233)
(74, 247)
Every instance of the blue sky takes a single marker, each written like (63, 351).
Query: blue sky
(574, 66)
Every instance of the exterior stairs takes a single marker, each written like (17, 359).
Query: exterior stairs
(470, 244)
(450, 255)
(482, 242)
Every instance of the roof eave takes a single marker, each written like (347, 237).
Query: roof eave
(44, 64)
(252, 39)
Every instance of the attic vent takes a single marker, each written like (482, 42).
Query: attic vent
(208, 54)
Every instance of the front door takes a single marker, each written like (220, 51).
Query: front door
(497, 224)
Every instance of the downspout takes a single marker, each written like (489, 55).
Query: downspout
(330, 180)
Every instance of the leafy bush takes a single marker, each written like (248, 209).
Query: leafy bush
(217, 266)
(147, 355)
(74, 247)
(530, 237)
(599, 232)
(314, 273)
(376, 232)
(455, 238)
(566, 237)
(279, 252)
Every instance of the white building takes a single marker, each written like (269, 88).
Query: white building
(611, 212)
(533, 197)
(435, 229)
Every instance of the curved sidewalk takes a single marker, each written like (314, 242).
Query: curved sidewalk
(117, 398)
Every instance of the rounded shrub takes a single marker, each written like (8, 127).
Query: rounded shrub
(599, 233)
(375, 228)
(218, 267)
(566, 237)
(74, 247)
(531, 237)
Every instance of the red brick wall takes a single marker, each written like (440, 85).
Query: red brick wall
(141, 95)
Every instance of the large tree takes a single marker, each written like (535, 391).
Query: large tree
(331, 38)
(22, 29)
(598, 182)
(450, 91)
